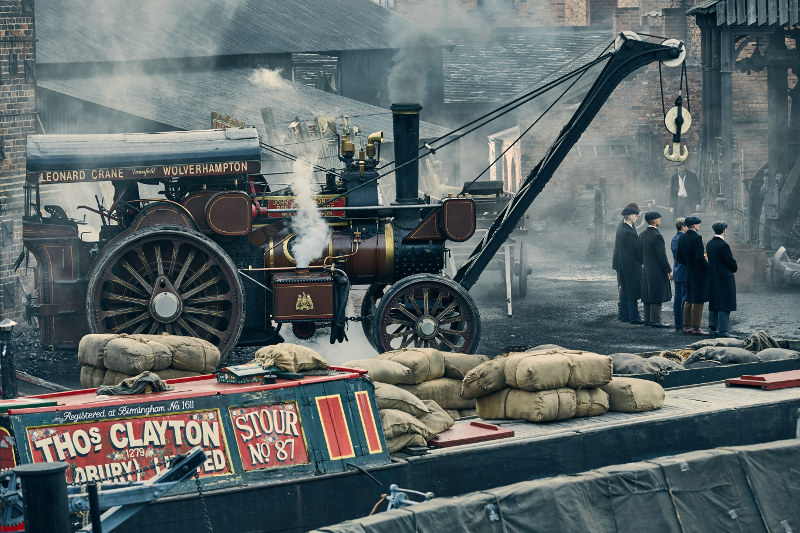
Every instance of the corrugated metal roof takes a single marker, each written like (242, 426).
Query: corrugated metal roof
(490, 65)
(124, 30)
(750, 12)
(51, 152)
(185, 100)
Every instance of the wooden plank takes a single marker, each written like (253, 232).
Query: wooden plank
(752, 12)
(762, 12)
(730, 11)
(772, 12)
(794, 12)
(783, 12)
(741, 11)
(720, 13)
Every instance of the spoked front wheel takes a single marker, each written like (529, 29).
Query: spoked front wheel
(429, 311)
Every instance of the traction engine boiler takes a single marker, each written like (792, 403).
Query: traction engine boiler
(195, 243)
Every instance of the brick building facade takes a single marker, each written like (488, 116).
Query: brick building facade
(17, 119)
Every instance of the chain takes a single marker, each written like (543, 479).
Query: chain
(203, 503)
(356, 318)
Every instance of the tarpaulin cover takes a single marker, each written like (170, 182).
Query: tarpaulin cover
(744, 489)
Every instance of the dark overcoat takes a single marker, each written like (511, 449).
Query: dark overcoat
(629, 262)
(692, 254)
(656, 287)
(721, 282)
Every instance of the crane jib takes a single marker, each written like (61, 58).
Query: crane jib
(631, 55)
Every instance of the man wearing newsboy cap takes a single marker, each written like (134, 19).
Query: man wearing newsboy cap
(721, 282)
(656, 287)
(692, 254)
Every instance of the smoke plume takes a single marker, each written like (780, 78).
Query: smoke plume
(311, 230)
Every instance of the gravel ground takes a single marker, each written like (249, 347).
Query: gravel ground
(571, 302)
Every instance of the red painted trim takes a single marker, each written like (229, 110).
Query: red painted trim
(189, 387)
(368, 421)
(334, 427)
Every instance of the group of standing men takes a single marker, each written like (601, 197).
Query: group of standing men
(701, 274)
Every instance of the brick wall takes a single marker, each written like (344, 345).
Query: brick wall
(17, 118)
(576, 13)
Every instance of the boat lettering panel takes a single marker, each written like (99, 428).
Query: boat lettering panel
(131, 448)
(269, 436)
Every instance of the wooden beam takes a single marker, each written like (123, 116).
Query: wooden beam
(772, 12)
(721, 14)
(741, 11)
(730, 10)
(783, 12)
(794, 12)
(762, 12)
(752, 12)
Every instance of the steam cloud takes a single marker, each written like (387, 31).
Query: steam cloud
(411, 62)
(311, 230)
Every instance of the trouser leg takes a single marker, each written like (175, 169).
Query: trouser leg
(677, 304)
(687, 314)
(646, 312)
(655, 313)
(723, 321)
(713, 320)
(697, 315)
(633, 310)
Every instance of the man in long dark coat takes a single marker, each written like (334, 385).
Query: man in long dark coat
(628, 262)
(622, 305)
(692, 254)
(721, 282)
(656, 288)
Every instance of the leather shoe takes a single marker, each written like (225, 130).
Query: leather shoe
(687, 330)
(724, 334)
(637, 321)
(658, 325)
(646, 323)
(698, 331)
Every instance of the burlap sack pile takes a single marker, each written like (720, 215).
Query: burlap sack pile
(109, 358)
(541, 385)
(290, 357)
(437, 376)
(407, 420)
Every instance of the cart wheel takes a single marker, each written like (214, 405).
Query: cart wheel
(427, 310)
(166, 279)
(524, 272)
(368, 307)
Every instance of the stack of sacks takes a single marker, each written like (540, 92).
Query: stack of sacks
(290, 357)
(542, 385)
(109, 358)
(437, 376)
(383, 371)
(407, 420)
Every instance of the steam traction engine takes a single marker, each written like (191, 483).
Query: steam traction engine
(208, 252)
(211, 252)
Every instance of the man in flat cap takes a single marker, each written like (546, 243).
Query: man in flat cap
(721, 282)
(656, 287)
(678, 274)
(692, 254)
(627, 261)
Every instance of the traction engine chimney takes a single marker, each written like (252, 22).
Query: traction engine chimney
(406, 148)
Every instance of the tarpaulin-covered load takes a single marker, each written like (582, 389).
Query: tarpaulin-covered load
(747, 488)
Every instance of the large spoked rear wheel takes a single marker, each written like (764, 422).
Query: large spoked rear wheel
(167, 280)
(427, 310)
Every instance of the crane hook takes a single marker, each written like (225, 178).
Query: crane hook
(677, 154)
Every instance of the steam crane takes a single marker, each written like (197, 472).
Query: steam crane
(630, 54)
(213, 254)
